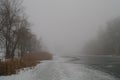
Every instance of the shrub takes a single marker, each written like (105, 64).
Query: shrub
(11, 66)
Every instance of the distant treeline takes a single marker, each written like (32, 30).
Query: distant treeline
(107, 42)
(16, 38)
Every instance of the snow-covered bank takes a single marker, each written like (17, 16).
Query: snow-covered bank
(60, 70)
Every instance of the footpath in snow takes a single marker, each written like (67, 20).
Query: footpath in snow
(60, 70)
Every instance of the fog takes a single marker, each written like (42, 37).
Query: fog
(66, 25)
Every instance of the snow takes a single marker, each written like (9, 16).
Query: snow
(59, 70)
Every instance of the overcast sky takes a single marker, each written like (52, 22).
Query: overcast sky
(65, 25)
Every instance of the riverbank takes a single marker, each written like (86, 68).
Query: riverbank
(13, 66)
(60, 70)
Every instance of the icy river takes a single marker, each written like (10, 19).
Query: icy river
(60, 69)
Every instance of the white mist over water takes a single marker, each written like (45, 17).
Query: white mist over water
(66, 25)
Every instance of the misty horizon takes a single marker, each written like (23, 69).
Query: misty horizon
(66, 25)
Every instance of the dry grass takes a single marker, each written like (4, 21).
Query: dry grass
(9, 67)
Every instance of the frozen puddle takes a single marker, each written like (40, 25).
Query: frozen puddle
(56, 70)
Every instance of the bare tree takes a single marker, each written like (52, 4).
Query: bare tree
(10, 19)
(15, 33)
